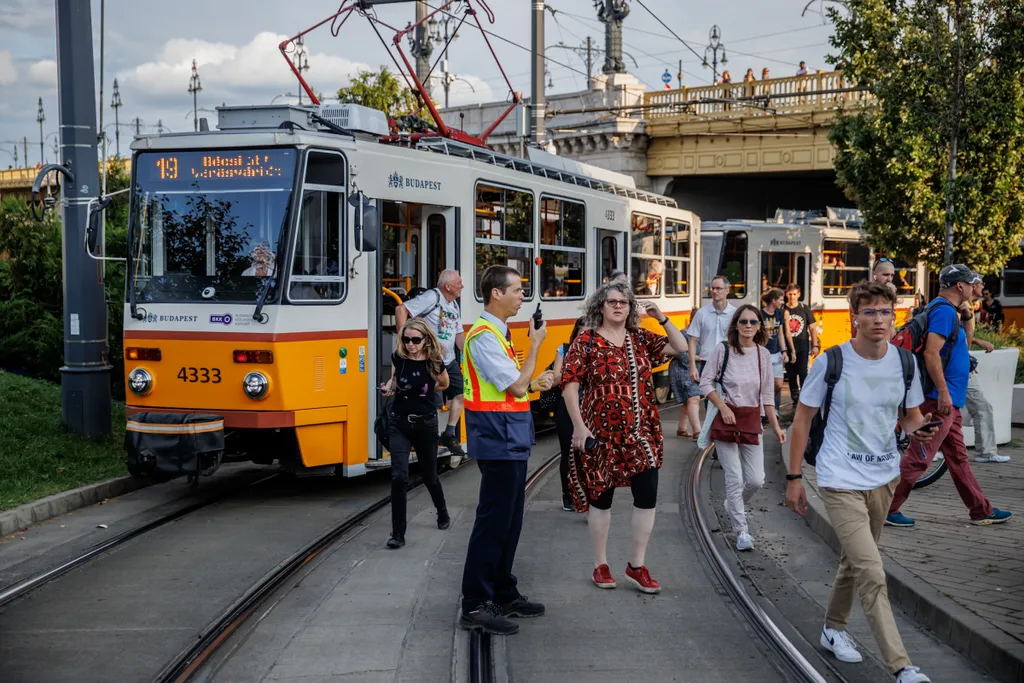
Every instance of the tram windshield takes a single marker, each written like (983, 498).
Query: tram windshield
(208, 224)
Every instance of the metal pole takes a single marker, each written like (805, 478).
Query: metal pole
(85, 382)
(24, 143)
(40, 117)
(679, 74)
(103, 33)
(590, 63)
(423, 42)
(538, 102)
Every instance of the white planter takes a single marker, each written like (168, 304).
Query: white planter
(995, 378)
(1017, 415)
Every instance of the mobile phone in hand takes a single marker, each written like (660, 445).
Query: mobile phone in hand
(929, 425)
(538, 318)
(589, 444)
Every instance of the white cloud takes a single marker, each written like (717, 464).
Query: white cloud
(26, 14)
(8, 72)
(256, 67)
(463, 92)
(44, 72)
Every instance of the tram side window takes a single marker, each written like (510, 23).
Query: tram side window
(733, 265)
(677, 258)
(562, 248)
(905, 278)
(645, 246)
(609, 257)
(316, 274)
(1013, 277)
(844, 263)
(504, 232)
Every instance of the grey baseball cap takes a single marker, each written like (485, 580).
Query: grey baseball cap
(958, 272)
(977, 279)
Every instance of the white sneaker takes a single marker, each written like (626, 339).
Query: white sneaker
(454, 461)
(911, 674)
(991, 458)
(841, 645)
(744, 542)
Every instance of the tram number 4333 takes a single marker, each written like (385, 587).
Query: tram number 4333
(202, 375)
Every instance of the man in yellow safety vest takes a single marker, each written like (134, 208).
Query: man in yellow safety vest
(499, 431)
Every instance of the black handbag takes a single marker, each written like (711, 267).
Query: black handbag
(382, 426)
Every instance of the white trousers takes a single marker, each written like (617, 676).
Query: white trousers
(984, 422)
(743, 466)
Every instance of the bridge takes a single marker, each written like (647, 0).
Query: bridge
(740, 150)
(17, 182)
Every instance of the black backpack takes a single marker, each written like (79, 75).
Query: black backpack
(834, 357)
(913, 336)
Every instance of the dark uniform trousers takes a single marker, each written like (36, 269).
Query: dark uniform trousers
(504, 440)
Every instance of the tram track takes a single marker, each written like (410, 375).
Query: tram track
(25, 586)
(795, 666)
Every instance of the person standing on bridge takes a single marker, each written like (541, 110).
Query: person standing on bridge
(858, 466)
(440, 308)
(617, 430)
(499, 426)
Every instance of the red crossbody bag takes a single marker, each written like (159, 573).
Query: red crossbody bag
(747, 429)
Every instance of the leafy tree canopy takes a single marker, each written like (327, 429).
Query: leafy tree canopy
(380, 90)
(948, 74)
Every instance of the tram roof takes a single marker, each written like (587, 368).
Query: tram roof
(749, 224)
(277, 137)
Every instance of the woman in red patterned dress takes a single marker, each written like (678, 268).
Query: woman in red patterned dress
(612, 360)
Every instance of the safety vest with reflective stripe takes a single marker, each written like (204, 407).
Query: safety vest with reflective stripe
(480, 394)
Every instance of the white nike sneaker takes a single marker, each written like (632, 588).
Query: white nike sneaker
(911, 674)
(841, 645)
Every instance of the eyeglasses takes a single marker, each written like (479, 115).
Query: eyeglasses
(412, 340)
(617, 303)
(753, 322)
(884, 312)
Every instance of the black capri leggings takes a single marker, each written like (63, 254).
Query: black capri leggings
(644, 487)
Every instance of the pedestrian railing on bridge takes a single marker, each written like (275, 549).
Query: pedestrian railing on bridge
(821, 91)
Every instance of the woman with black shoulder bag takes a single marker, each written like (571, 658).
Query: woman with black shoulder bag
(738, 380)
(417, 371)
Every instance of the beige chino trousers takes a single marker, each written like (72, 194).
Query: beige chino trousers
(858, 517)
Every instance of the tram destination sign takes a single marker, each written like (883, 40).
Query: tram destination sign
(217, 169)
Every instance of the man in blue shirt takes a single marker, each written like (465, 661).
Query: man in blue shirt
(944, 401)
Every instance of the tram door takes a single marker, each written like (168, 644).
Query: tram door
(780, 268)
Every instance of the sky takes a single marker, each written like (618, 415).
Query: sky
(149, 47)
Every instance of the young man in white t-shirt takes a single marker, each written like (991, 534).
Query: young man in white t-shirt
(858, 467)
(440, 308)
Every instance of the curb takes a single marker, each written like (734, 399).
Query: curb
(60, 503)
(991, 649)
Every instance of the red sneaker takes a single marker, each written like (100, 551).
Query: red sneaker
(603, 577)
(641, 578)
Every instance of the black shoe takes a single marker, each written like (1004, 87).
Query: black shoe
(443, 520)
(451, 442)
(567, 504)
(522, 607)
(396, 541)
(489, 619)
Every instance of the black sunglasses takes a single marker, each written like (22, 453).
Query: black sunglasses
(748, 321)
(412, 340)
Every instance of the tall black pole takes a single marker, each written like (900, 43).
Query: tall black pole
(537, 98)
(85, 382)
(40, 117)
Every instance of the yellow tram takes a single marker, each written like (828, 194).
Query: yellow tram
(267, 258)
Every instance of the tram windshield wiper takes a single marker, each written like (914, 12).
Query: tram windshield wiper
(270, 283)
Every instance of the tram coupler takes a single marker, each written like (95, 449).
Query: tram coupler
(162, 446)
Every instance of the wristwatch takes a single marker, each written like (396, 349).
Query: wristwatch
(663, 321)
(791, 477)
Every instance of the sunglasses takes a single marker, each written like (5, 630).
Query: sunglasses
(753, 322)
(617, 303)
(412, 340)
(882, 259)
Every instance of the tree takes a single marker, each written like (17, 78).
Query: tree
(942, 151)
(380, 90)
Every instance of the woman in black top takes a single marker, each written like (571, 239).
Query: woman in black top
(563, 422)
(416, 373)
(805, 340)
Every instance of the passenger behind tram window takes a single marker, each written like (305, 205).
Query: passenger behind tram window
(652, 286)
(263, 261)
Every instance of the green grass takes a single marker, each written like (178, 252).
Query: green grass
(38, 457)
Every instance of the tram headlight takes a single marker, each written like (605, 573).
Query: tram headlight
(256, 385)
(140, 382)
